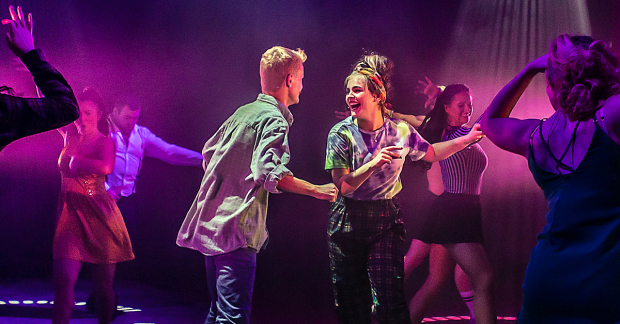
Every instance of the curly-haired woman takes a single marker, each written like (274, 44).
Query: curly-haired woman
(574, 156)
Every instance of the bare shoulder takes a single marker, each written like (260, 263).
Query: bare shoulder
(611, 108)
(609, 117)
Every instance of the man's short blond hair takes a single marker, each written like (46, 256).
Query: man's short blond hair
(278, 62)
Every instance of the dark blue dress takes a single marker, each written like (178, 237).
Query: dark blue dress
(574, 270)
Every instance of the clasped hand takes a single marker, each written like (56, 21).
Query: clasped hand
(327, 192)
(474, 135)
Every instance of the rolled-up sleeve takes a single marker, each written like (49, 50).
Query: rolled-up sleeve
(270, 156)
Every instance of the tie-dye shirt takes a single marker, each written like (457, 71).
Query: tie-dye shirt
(349, 147)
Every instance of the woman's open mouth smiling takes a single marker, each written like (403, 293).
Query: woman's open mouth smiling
(354, 106)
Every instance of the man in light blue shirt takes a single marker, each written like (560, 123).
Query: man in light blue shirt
(245, 160)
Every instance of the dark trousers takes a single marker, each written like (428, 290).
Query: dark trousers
(366, 248)
(129, 209)
(230, 279)
(133, 269)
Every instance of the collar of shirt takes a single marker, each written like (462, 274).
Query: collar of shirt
(115, 129)
(286, 113)
(354, 122)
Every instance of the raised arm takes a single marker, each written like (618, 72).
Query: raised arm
(20, 117)
(427, 87)
(507, 133)
(19, 36)
(431, 91)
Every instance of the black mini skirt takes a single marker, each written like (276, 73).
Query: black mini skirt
(452, 218)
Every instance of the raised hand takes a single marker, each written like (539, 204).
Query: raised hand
(427, 87)
(430, 90)
(19, 36)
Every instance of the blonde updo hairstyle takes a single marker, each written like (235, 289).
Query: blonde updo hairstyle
(382, 67)
(278, 62)
(582, 73)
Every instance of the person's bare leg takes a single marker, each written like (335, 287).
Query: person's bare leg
(103, 275)
(418, 250)
(440, 271)
(472, 259)
(465, 290)
(66, 272)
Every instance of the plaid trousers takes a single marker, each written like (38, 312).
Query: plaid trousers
(366, 248)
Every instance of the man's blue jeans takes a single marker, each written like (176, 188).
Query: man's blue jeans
(230, 279)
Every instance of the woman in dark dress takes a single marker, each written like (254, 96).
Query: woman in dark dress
(574, 155)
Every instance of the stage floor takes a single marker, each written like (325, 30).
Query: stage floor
(28, 302)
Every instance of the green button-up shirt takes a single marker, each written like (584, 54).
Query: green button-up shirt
(244, 161)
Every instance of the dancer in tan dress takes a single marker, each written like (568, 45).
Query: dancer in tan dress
(90, 226)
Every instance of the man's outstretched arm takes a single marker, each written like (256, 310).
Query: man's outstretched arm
(324, 192)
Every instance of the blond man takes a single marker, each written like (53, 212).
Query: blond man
(244, 161)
